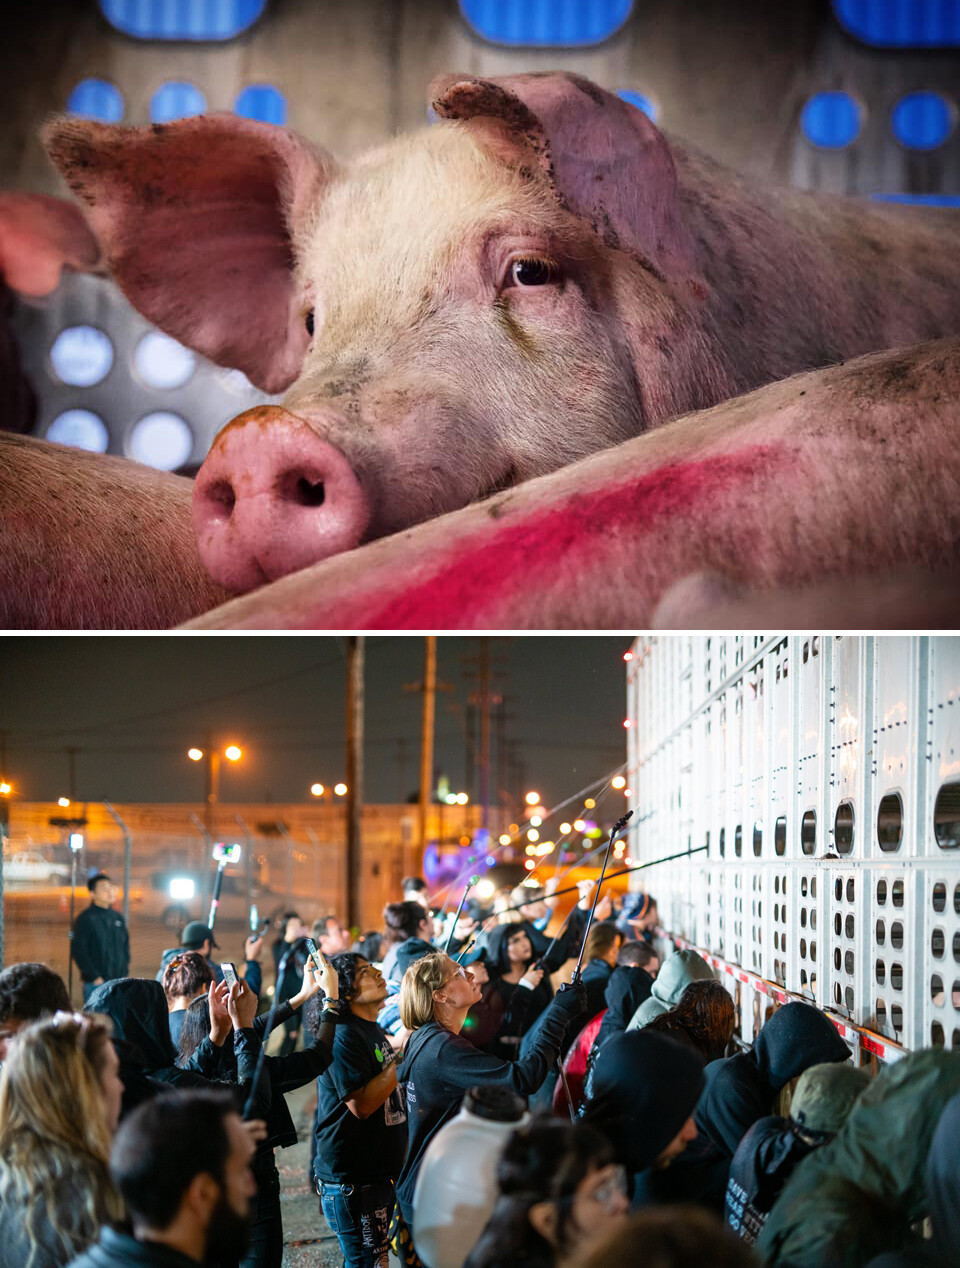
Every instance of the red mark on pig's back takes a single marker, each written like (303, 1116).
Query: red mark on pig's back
(584, 527)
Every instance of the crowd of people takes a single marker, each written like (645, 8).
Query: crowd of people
(636, 1127)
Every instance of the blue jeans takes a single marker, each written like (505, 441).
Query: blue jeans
(360, 1217)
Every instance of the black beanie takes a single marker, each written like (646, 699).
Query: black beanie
(645, 1087)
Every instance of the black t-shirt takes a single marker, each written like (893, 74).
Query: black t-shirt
(350, 1149)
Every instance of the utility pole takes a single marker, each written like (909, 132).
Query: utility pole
(484, 699)
(354, 763)
(426, 742)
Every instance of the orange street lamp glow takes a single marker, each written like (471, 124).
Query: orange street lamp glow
(340, 789)
(195, 754)
(5, 788)
(63, 801)
(232, 753)
(317, 790)
(589, 804)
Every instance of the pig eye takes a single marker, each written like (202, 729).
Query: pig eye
(532, 272)
(308, 320)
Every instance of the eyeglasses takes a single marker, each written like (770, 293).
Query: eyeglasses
(610, 1193)
(461, 972)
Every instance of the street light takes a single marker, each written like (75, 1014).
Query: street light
(63, 801)
(317, 790)
(233, 753)
(340, 789)
(5, 788)
(532, 798)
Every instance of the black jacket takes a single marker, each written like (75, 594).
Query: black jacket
(438, 1067)
(100, 945)
(762, 1165)
(120, 1250)
(627, 988)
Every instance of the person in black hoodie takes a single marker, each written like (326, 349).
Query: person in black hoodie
(600, 959)
(439, 1065)
(517, 992)
(628, 986)
(99, 943)
(645, 1090)
(217, 1060)
(741, 1089)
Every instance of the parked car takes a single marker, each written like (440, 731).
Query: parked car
(32, 866)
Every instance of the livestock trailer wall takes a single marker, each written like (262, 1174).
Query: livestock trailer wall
(818, 779)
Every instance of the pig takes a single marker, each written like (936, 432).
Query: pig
(540, 275)
(847, 474)
(89, 541)
(40, 236)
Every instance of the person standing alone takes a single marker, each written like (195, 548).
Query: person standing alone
(100, 944)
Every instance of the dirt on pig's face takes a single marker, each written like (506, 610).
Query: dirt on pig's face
(466, 329)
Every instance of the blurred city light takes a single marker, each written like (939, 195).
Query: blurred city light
(5, 788)
(63, 801)
(533, 835)
(182, 888)
(195, 754)
(529, 865)
(340, 789)
(535, 821)
(628, 655)
(626, 721)
(461, 799)
(579, 824)
(485, 889)
(505, 838)
(232, 753)
(532, 798)
(317, 790)
(618, 781)
(564, 829)
(589, 804)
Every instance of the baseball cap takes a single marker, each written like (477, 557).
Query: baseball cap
(195, 933)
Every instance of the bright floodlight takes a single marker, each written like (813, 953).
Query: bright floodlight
(232, 753)
(532, 798)
(618, 781)
(340, 789)
(4, 788)
(317, 790)
(182, 889)
(461, 799)
(505, 838)
(195, 754)
(63, 801)
(76, 841)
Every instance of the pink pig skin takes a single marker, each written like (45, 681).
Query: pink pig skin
(94, 542)
(849, 472)
(433, 376)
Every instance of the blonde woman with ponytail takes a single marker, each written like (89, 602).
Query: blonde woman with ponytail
(60, 1093)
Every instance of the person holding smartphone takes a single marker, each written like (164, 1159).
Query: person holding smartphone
(361, 1129)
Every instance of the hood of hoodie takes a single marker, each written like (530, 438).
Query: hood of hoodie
(645, 1087)
(877, 1160)
(943, 1180)
(626, 990)
(407, 952)
(796, 1037)
(676, 974)
(138, 1009)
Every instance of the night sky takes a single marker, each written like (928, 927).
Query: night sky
(131, 706)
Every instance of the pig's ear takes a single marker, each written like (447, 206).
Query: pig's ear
(604, 158)
(39, 237)
(197, 219)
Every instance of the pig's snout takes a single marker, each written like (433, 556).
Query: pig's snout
(273, 497)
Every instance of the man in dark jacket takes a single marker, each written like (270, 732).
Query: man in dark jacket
(183, 1169)
(197, 936)
(100, 944)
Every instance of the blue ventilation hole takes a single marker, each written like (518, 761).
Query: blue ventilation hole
(161, 440)
(80, 429)
(546, 23)
(641, 102)
(922, 120)
(831, 120)
(901, 23)
(920, 200)
(96, 99)
(81, 356)
(176, 101)
(162, 362)
(262, 102)
(182, 19)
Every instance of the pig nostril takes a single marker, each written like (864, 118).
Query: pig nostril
(222, 491)
(308, 493)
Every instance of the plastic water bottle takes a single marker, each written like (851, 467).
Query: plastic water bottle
(456, 1187)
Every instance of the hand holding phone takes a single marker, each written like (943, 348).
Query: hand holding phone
(229, 973)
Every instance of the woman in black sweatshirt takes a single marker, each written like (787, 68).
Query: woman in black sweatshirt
(439, 1065)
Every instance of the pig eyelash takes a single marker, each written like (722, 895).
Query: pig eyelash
(544, 270)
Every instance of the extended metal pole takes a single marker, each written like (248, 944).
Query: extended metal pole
(426, 744)
(470, 884)
(73, 892)
(617, 827)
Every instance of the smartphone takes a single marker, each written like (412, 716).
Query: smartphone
(254, 919)
(229, 973)
(315, 955)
